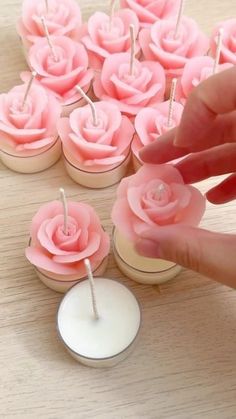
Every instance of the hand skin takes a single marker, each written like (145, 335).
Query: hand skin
(207, 131)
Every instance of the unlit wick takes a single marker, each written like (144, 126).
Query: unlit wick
(112, 12)
(65, 210)
(91, 104)
(218, 50)
(171, 104)
(180, 14)
(46, 3)
(92, 288)
(160, 191)
(50, 44)
(132, 49)
(33, 75)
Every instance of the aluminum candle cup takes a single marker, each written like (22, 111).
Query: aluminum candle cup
(104, 341)
(62, 283)
(95, 178)
(139, 268)
(22, 163)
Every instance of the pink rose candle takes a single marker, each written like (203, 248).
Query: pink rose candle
(61, 64)
(228, 48)
(130, 90)
(172, 45)
(151, 123)
(29, 141)
(152, 198)
(107, 35)
(62, 236)
(63, 17)
(196, 70)
(96, 144)
(149, 11)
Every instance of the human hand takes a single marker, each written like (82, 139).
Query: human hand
(207, 136)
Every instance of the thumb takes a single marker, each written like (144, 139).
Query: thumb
(211, 254)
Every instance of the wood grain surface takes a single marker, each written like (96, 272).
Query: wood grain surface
(184, 364)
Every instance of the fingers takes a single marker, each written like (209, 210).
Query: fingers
(212, 162)
(210, 254)
(215, 96)
(162, 150)
(224, 192)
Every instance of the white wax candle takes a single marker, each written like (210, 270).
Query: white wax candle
(139, 268)
(105, 341)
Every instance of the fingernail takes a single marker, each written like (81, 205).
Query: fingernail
(148, 248)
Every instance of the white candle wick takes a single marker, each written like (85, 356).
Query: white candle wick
(132, 49)
(33, 75)
(160, 191)
(92, 288)
(112, 12)
(218, 50)
(171, 103)
(46, 3)
(91, 104)
(179, 17)
(65, 210)
(50, 44)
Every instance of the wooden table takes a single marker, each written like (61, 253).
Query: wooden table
(184, 365)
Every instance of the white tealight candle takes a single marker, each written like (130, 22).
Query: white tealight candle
(99, 323)
(139, 268)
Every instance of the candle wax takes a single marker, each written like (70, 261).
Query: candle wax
(108, 337)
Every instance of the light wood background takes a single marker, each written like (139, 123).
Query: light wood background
(184, 365)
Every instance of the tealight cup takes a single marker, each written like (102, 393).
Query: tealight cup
(93, 177)
(139, 268)
(62, 283)
(22, 163)
(104, 341)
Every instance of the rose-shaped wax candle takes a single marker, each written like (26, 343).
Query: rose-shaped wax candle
(62, 70)
(151, 123)
(96, 144)
(196, 70)
(160, 43)
(29, 141)
(130, 90)
(228, 48)
(62, 236)
(109, 35)
(63, 17)
(149, 11)
(154, 197)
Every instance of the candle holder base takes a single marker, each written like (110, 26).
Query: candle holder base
(32, 163)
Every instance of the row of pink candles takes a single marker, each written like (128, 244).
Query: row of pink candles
(69, 60)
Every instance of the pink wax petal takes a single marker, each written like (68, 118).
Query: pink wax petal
(145, 124)
(134, 200)
(192, 213)
(121, 216)
(92, 247)
(40, 259)
(45, 235)
(167, 173)
(36, 144)
(123, 137)
(106, 161)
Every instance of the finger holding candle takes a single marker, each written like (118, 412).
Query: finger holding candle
(171, 102)
(50, 44)
(65, 210)
(218, 50)
(91, 104)
(33, 75)
(92, 288)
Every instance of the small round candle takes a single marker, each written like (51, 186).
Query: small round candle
(99, 324)
(96, 143)
(29, 141)
(139, 268)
